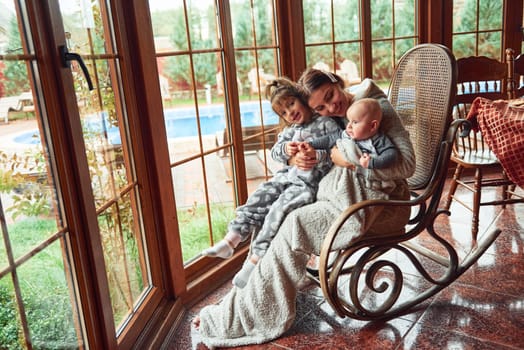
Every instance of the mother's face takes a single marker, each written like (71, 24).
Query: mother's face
(329, 100)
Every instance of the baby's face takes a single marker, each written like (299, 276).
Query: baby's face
(293, 111)
(360, 124)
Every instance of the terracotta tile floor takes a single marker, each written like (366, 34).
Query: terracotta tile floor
(484, 309)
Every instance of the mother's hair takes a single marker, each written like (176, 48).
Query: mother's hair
(312, 78)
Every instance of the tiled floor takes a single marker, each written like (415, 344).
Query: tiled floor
(483, 309)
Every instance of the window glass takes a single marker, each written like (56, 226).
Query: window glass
(201, 114)
(477, 28)
(39, 301)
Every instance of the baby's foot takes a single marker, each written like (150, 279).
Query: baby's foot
(220, 250)
(242, 276)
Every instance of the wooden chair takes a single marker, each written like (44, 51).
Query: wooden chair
(477, 77)
(515, 73)
(380, 268)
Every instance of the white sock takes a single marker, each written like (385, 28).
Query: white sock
(242, 276)
(220, 250)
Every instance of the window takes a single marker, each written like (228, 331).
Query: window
(109, 195)
(212, 72)
(342, 35)
(478, 28)
(39, 297)
(334, 40)
(74, 243)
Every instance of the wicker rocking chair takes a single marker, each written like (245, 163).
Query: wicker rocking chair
(371, 280)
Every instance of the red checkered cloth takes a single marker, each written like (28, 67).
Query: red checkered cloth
(502, 125)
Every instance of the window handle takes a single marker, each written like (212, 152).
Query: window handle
(67, 57)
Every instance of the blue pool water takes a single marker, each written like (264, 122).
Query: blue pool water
(180, 122)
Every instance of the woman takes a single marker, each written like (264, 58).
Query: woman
(327, 97)
(265, 308)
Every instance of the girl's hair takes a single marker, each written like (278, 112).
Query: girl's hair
(313, 78)
(281, 89)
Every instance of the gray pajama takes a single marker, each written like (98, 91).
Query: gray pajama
(287, 190)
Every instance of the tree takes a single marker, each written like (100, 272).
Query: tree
(16, 80)
(490, 18)
(2, 79)
(261, 13)
(178, 68)
(317, 28)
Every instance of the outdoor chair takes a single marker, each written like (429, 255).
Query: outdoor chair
(254, 138)
(476, 164)
(381, 276)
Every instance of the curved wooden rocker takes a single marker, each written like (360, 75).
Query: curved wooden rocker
(380, 268)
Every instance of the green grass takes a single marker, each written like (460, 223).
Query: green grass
(44, 289)
(27, 233)
(43, 282)
(194, 230)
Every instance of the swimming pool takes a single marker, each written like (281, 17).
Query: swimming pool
(180, 122)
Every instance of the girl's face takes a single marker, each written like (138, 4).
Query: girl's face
(329, 100)
(293, 111)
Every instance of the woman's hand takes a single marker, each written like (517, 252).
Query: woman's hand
(339, 160)
(306, 157)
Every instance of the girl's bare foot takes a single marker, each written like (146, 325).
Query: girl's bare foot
(196, 322)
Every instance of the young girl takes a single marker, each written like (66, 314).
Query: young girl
(289, 189)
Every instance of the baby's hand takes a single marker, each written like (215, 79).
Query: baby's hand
(364, 160)
(292, 148)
